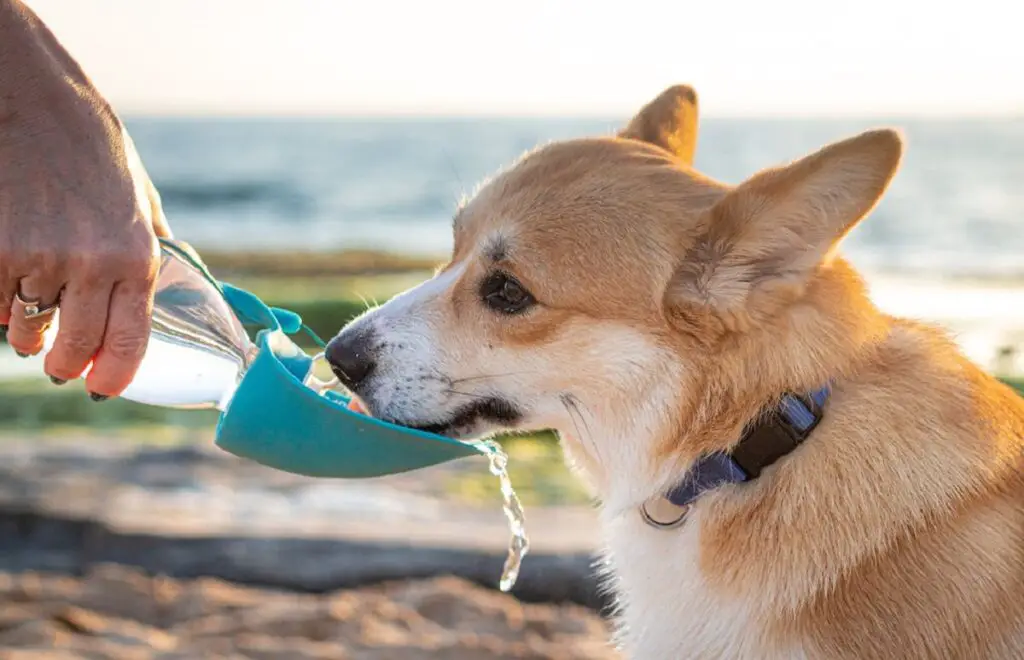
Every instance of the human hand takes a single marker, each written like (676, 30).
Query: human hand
(79, 220)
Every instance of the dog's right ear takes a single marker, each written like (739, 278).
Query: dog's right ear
(766, 237)
(669, 121)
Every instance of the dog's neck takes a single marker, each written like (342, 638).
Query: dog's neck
(770, 434)
(641, 452)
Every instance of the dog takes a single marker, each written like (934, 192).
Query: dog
(781, 470)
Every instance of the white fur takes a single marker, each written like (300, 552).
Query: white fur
(666, 610)
(408, 383)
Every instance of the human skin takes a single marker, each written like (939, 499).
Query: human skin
(79, 215)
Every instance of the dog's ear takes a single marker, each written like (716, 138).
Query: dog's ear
(766, 237)
(669, 121)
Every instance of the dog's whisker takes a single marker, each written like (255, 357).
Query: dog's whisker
(459, 381)
(576, 403)
(572, 405)
(470, 395)
(572, 418)
(366, 303)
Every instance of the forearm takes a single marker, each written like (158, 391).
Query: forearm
(38, 77)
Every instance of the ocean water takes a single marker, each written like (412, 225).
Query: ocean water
(956, 208)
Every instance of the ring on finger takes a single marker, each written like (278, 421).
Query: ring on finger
(34, 309)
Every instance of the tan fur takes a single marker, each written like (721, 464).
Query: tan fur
(672, 309)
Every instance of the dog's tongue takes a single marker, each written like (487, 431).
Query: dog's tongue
(355, 405)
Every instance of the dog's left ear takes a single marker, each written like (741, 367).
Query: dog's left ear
(765, 238)
(669, 121)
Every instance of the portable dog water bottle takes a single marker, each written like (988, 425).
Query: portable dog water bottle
(274, 410)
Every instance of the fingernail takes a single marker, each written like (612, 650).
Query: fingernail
(20, 354)
(57, 381)
(98, 397)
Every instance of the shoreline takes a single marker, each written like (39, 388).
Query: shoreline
(369, 261)
(354, 262)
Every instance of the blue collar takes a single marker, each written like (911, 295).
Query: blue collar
(764, 442)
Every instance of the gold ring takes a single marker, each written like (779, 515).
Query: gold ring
(34, 310)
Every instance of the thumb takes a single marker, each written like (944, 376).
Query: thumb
(160, 226)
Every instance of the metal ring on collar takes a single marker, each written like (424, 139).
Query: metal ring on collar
(654, 513)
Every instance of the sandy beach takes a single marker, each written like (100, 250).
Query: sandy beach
(112, 550)
(116, 613)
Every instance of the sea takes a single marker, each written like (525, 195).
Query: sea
(946, 244)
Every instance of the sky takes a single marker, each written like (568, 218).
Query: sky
(537, 57)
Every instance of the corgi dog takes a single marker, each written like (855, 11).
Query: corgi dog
(781, 470)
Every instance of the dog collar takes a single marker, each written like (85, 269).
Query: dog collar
(763, 442)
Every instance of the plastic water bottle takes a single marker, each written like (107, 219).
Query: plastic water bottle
(198, 348)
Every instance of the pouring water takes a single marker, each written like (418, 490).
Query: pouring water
(519, 544)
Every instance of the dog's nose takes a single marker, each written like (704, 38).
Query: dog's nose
(350, 357)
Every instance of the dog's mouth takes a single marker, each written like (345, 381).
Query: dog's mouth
(464, 421)
(467, 418)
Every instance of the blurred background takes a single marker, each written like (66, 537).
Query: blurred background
(314, 153)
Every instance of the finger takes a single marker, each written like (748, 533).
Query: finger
(32, 310)
(8, 285)
(83, 316)
(7, 289)
(125, 339)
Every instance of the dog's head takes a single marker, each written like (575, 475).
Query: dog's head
(597, 283)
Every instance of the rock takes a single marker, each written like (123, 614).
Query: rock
(49, 542)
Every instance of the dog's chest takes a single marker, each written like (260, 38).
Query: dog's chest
(667, 608)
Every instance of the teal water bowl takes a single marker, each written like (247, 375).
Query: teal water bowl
(275, 419)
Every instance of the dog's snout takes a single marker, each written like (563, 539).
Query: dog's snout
(350, 355)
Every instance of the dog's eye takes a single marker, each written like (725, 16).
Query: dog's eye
(504, 294)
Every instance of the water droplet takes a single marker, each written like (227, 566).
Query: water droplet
(519, 544)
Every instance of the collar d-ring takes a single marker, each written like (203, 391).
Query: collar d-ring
(661, 513)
